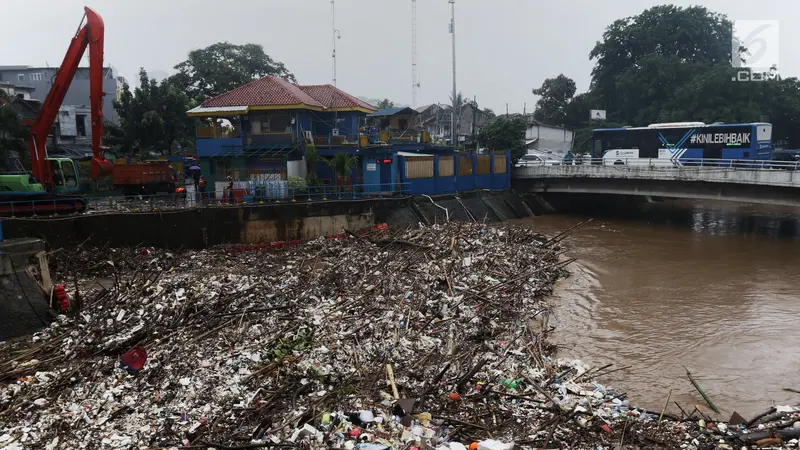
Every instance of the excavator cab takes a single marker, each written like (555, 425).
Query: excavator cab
(65, 175)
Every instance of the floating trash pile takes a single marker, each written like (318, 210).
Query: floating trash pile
(432, 338)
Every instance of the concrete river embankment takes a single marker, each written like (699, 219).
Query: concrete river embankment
(195, 228)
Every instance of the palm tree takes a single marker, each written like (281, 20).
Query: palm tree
(342, 166)
(459, 103)
(312, 158)
(385, 103)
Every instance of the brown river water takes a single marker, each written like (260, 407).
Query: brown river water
(709, 286)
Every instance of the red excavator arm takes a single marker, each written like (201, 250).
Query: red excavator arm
(91, 35)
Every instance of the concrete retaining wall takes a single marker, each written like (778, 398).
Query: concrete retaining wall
(24, 285)
(200, 228)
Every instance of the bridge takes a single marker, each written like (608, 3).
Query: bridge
(765, 182)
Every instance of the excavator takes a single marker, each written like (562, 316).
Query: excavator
(47, 188)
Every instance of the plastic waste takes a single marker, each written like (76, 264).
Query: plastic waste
(366, 416)
(372, 446)
(491, 444)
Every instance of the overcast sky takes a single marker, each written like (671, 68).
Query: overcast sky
(504, 47)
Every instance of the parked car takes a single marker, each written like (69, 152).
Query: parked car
(785, 158)
(537, 160)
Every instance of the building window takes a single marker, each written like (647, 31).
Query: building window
(20, 77)
(38, 76)
(278, 123)
(80, 123)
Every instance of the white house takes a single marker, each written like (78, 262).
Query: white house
(13, 90)
(539, 136)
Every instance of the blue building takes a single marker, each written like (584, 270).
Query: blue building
(262, 130)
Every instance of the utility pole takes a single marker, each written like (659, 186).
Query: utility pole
(453, 136)
(336, 35)
(474, 115)
(414, 57)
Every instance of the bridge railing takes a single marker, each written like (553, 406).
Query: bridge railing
(664, 163)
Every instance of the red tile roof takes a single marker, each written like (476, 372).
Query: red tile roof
(267, 91)
(333, 97)
(273, 91)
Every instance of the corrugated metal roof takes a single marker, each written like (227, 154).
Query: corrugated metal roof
(392, 111)
(414, 154)
(217, 109)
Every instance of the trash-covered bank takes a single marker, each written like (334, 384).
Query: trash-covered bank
(435, 337)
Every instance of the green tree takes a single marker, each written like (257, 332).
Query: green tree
(576, 113)
(556, 95)
(312, 160)
(385, 103)
(223, 66)
(505, 134)
(153, 116)
(643, 59)
(342, 166)
(781, 104)
(668, 64)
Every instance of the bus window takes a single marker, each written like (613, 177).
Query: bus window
(70, 177)
(597, 148)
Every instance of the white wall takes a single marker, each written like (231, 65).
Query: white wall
(549, 138)
(66, 120)
(553, 134)
(296, 168)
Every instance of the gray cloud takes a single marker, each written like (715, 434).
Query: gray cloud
(505, 47)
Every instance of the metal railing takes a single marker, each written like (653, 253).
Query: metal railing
(177, 201)
(330, 140)
(664, 163)
(43, 206)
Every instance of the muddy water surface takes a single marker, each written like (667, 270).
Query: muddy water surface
(714, 287)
